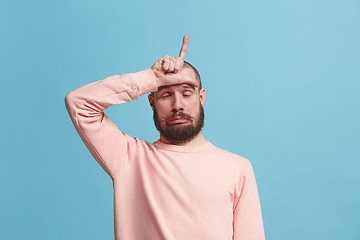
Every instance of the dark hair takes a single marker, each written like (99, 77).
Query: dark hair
(187, 64)
(197, 75)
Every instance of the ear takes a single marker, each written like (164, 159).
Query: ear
(202, 96)
(151, 101)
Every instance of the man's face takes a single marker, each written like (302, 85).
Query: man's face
(178, 110)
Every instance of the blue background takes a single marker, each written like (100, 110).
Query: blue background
(282, 80)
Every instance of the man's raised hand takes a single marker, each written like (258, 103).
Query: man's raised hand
(168, 65)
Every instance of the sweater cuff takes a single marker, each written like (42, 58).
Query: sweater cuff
(145, 81)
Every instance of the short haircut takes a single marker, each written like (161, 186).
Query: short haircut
(187, 64)
(197, 75)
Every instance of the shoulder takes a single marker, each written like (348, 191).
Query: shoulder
(236, 160)
(135, 144)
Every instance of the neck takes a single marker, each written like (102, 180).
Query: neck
(195, 141)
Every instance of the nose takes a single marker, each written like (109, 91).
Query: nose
(177, 104)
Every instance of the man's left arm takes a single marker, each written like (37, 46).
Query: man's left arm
(248, 222)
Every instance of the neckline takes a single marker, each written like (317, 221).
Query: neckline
(177, 148)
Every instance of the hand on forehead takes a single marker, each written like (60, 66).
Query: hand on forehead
(172, 70)
(184, 76)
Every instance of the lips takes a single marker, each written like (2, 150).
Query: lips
(178, 120)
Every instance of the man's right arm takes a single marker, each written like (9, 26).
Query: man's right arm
(85, 105)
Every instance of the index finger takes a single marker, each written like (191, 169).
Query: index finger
(184, 46)
(174, 78)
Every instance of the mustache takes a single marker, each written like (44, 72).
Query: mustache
(179, 114)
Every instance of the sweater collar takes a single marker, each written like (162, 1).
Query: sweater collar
(177, 148)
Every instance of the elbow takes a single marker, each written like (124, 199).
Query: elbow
(71, 97)
(69, 100)
(67, 97)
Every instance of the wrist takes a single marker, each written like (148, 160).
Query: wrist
(146, 81)
(155, 75)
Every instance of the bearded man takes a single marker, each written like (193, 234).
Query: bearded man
(180, 187)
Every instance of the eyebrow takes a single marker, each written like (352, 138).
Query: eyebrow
(185, 85)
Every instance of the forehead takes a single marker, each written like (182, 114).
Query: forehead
(177, 87)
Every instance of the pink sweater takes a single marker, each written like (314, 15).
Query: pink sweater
(162, 191)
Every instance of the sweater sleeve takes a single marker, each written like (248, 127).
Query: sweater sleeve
(248, 222)
(85, 105)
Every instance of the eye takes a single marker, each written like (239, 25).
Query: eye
(166, 95)
(187, 93)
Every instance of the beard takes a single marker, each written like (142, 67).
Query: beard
(180, 133)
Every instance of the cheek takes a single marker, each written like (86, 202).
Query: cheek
(194, 110)
(162, 110)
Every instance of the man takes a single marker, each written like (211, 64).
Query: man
(180, 187)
